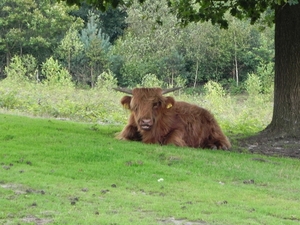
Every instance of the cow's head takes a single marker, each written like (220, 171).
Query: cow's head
(147, 105)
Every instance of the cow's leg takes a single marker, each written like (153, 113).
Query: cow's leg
(219, 140)
(130, 133)
(175, 137)
(213, 138)
(224, 143)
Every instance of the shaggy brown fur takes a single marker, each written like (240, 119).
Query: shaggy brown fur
(158, 119)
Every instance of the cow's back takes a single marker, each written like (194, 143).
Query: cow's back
(200, 127)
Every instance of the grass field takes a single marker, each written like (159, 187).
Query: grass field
(62, 172)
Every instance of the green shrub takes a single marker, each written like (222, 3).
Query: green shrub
(55, 75)
(253, 85)
(16, 70)
(180, 82)
(215, 96)
(232, 86)
(106, 80)
(22, 68)
(151, 80)
(214, 90)
(266, 75)
(9, 100)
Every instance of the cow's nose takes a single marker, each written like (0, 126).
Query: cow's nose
(146, 121)
(146, 124)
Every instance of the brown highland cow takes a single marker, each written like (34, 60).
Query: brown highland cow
(158, 119)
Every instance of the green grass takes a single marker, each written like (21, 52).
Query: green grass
(62, 172)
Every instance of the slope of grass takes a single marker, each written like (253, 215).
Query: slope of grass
(61, 172)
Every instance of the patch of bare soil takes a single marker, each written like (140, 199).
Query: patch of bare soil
(173, 221)
(35, 220)
(271, 146)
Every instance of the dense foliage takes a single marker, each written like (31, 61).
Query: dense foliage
(142, 41)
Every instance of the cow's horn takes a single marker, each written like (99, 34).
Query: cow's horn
(165, 91)
(124, 90)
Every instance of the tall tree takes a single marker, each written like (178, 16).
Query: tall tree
(14, 32)
(33, 27)
(111, 21)
(96, 47)
(70, 47)
(286, 116)
(150, 44)
(286, 113)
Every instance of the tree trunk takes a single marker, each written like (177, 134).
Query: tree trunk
(69, 60)
(196, 74)
(286, 112)
(92, 77)
(235, 62)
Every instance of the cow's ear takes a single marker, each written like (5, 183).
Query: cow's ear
(125, 101)
(170, 101)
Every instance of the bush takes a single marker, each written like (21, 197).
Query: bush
(179, 81)
(106, 80)
(253, 85)
(55, 75)
(8, 100)
(215, 95)
(21, 68)
(214, 90)
(266, 75)
(16, 70)
(151, 80)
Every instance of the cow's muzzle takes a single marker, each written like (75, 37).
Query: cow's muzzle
(146, 124)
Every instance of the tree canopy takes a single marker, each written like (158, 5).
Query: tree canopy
(207, 10)
(140, 42)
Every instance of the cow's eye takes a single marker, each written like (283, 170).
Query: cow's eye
(156, 105)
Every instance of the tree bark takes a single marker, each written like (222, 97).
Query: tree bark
(196, 74)
(286, 112)
(236, 70)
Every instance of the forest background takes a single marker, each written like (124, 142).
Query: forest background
(42, 41)
(62, 61)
